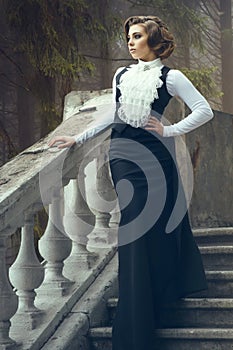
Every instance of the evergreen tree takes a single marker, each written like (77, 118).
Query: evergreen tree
(43, 41)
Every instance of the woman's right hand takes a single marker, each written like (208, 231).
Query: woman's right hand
(62, 141)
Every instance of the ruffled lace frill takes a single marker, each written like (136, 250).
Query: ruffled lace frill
(138, 86)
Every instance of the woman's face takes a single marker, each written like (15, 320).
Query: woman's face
(137, 43)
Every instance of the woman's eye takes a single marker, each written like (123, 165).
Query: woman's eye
(137, 36)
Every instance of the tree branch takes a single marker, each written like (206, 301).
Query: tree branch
(13, 83)
(10, 59)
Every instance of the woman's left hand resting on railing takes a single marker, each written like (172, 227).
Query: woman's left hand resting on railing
(103, 118)
(62, 141)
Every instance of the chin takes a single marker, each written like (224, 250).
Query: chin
(135, 57)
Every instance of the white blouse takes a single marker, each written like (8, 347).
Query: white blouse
(177, 85)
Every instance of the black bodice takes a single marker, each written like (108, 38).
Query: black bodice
(157, 106)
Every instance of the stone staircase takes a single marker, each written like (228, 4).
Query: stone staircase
(203, 321)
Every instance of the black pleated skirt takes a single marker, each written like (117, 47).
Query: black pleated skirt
(159, 260)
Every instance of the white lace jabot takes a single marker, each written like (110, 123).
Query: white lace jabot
(138, 86)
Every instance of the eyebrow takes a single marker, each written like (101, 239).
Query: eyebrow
(135, 33)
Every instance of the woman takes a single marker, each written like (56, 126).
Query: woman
(158, 258)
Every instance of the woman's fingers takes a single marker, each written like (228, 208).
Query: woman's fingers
(63, 144)
(55, 140)
(153, 121)
(154, 124)
(61, 141)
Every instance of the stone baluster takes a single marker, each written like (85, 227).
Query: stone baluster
(27, 274)
(78, 221)
(55, 247)
(115, 218)
(8, 298)
(101, 199)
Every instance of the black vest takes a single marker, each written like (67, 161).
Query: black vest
(157, 106)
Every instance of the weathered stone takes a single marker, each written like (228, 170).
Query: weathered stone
(88, 311)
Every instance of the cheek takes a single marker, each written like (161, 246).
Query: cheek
(144, 45)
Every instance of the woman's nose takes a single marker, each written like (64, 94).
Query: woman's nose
(130, 42)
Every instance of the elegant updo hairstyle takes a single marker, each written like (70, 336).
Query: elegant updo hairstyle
(160, 40)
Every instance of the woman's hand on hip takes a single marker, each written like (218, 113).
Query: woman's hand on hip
(154, 125)
(62, 141)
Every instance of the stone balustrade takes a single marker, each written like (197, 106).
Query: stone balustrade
(74, 187)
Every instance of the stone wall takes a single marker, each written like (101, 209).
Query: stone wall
(211, 149)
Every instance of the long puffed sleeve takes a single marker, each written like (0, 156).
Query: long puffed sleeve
(179, 85)
(103, 117)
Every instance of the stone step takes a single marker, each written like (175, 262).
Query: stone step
(217, 257)
(189, 312)
(174, 338)
(220, 285)
(213, 236)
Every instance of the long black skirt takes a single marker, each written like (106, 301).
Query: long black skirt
(159, 260)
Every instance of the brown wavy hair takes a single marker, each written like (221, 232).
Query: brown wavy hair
(160, 40)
